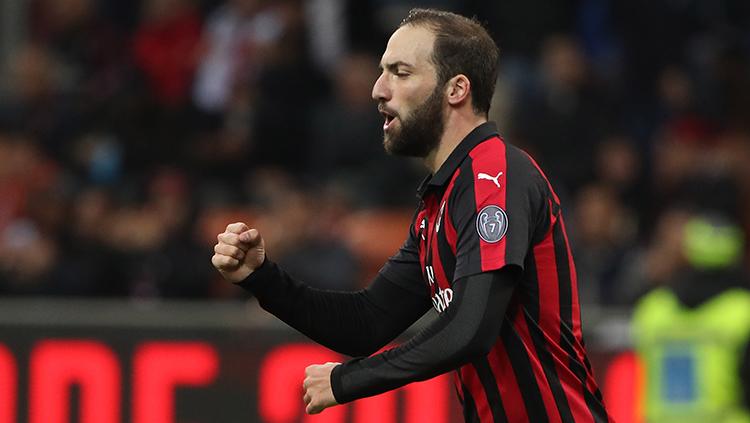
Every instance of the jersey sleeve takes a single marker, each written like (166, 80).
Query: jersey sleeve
(404, 268)
(500, 204)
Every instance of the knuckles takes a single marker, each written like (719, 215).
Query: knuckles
(228, 238)
(223, 262)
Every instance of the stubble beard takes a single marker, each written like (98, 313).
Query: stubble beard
(420, 132)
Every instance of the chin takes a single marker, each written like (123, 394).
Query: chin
(388, 144)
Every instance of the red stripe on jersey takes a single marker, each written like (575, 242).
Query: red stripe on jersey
(437, 266)
(576, 312)
(519, 322)
(549, 294)
(549, 321)
(471, 381)
(576, 400)
(441, 280)
(510, 392)
(489, 158)
(450, 230)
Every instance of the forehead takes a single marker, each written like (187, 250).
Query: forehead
(410, 44)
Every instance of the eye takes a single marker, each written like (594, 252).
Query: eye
(402, 74)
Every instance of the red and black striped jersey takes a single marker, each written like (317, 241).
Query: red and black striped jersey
(490, 206)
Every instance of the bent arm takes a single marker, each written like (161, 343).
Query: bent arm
(353, 323)
(466, 331)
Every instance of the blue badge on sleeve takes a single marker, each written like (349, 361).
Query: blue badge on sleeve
(492, 223)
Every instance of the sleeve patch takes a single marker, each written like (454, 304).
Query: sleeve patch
(492, 223)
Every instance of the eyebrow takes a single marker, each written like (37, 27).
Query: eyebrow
(393, 67)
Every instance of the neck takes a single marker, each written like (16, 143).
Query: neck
(456, 129)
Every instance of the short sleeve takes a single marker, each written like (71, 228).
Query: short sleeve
(404, 268)
(499, 204)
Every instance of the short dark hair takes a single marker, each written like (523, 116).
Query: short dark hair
(462, 46)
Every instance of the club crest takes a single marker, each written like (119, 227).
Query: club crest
(492, 223)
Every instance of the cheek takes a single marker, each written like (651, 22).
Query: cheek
(408, 94)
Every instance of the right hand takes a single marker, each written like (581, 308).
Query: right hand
(239, 252)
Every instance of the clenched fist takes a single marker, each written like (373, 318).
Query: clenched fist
(317, 386)
(239, 252)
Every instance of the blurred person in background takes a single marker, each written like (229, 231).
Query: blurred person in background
(165, 49)
(152, 234)
(287, 88)
(500, 282)
(692, 334)
(620, 165)
(235, 43)
(565, 114)
(87, 47)
(165, 55)
(36, 100)
(350, 155)
(310, 235)
(656, 261)
(88, 254)
(32, 215)
(602, 234)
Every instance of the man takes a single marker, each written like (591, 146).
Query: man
(692, 334)
(487, 249)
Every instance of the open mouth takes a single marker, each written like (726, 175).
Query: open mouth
(389, 118)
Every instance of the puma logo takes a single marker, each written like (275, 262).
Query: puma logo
(490, 178)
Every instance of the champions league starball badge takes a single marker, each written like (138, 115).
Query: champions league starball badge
(492, 223)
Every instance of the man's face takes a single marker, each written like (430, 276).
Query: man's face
(407, 94)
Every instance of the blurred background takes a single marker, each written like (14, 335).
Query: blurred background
(132, 132)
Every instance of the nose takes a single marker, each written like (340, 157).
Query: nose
(381, 91)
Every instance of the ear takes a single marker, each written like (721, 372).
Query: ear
(458, 90)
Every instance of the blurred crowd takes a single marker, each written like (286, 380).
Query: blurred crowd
(132, 132)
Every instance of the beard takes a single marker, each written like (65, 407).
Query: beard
(420, 132)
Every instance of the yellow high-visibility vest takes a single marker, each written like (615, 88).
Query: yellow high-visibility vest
(691, 357)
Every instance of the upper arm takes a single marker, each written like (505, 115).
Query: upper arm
(483, 299)
(497, 225)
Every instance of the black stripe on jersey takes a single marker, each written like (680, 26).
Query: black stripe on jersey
(489, 384)
(471, 415)
(596, 407)
(467, 199)
(519, 217)
(565, 289)
(447, 259)
(545, 358)
(527, 383)
(567, 341)
(598, 393)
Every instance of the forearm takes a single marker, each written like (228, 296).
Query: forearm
(353, 323)
(466, 332)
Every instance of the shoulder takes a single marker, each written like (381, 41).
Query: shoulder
(504, 164)
(656, 306)
(735, 301)
(497, 154)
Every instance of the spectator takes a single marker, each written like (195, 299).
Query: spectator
(351, 154)
(692, 335)
(165, 49)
